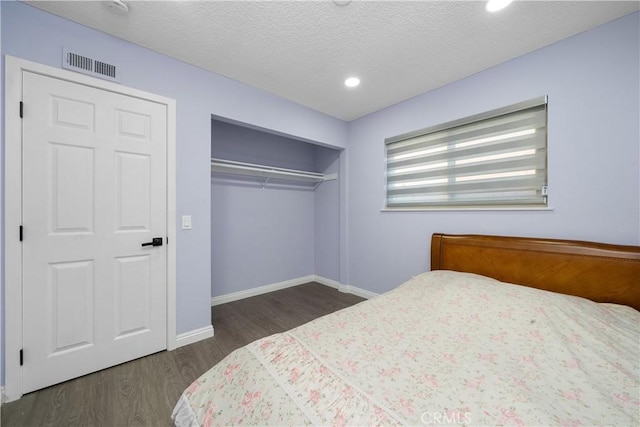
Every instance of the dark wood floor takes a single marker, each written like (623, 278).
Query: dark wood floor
(143, 392)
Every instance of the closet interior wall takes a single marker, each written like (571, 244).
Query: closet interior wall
(264, 234)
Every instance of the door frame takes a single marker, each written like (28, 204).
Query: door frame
(14, 69)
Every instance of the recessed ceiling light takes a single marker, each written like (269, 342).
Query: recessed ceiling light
(352, 82)
(496, 5)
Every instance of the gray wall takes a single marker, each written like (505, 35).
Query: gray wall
(327, 217)
(2, 213)
(39, 36)
(592, 80)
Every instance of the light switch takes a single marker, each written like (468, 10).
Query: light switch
(186, 222)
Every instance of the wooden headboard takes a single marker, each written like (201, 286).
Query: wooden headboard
(597, 271)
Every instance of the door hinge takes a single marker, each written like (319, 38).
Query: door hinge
(21, 233)
(21, 357)
(21, 109)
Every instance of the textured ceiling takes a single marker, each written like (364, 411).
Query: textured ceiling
(303, 50)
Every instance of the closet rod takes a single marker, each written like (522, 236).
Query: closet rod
(252, 169)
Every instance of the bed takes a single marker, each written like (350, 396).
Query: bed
(501, 331)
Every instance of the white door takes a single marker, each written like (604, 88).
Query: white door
(94, 191)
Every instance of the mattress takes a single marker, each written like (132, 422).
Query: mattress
(444, 348)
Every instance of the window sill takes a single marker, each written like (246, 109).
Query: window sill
(469, 209)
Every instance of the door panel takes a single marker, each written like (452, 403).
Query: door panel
(73, 113)
(68, 189)
(133, 125)
(94, 190)
(71, 305)
(132, 291)
(134, 192)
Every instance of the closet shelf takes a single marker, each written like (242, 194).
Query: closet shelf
(267, 172)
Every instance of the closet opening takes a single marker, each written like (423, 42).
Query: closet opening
(275, 211)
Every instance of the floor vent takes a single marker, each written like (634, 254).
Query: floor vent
(86, 65)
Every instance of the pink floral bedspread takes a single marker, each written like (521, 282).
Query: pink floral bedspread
(444, 348)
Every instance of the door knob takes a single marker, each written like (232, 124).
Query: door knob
(156, 241)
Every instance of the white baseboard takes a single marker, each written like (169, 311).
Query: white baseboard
(223, 299)
(328, 282)
(194, 336)
(363, 293)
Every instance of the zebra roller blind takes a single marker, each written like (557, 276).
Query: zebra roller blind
(494, 159)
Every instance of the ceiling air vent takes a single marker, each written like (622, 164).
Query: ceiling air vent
(86, 65)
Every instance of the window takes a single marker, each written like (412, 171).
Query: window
(496, 159)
